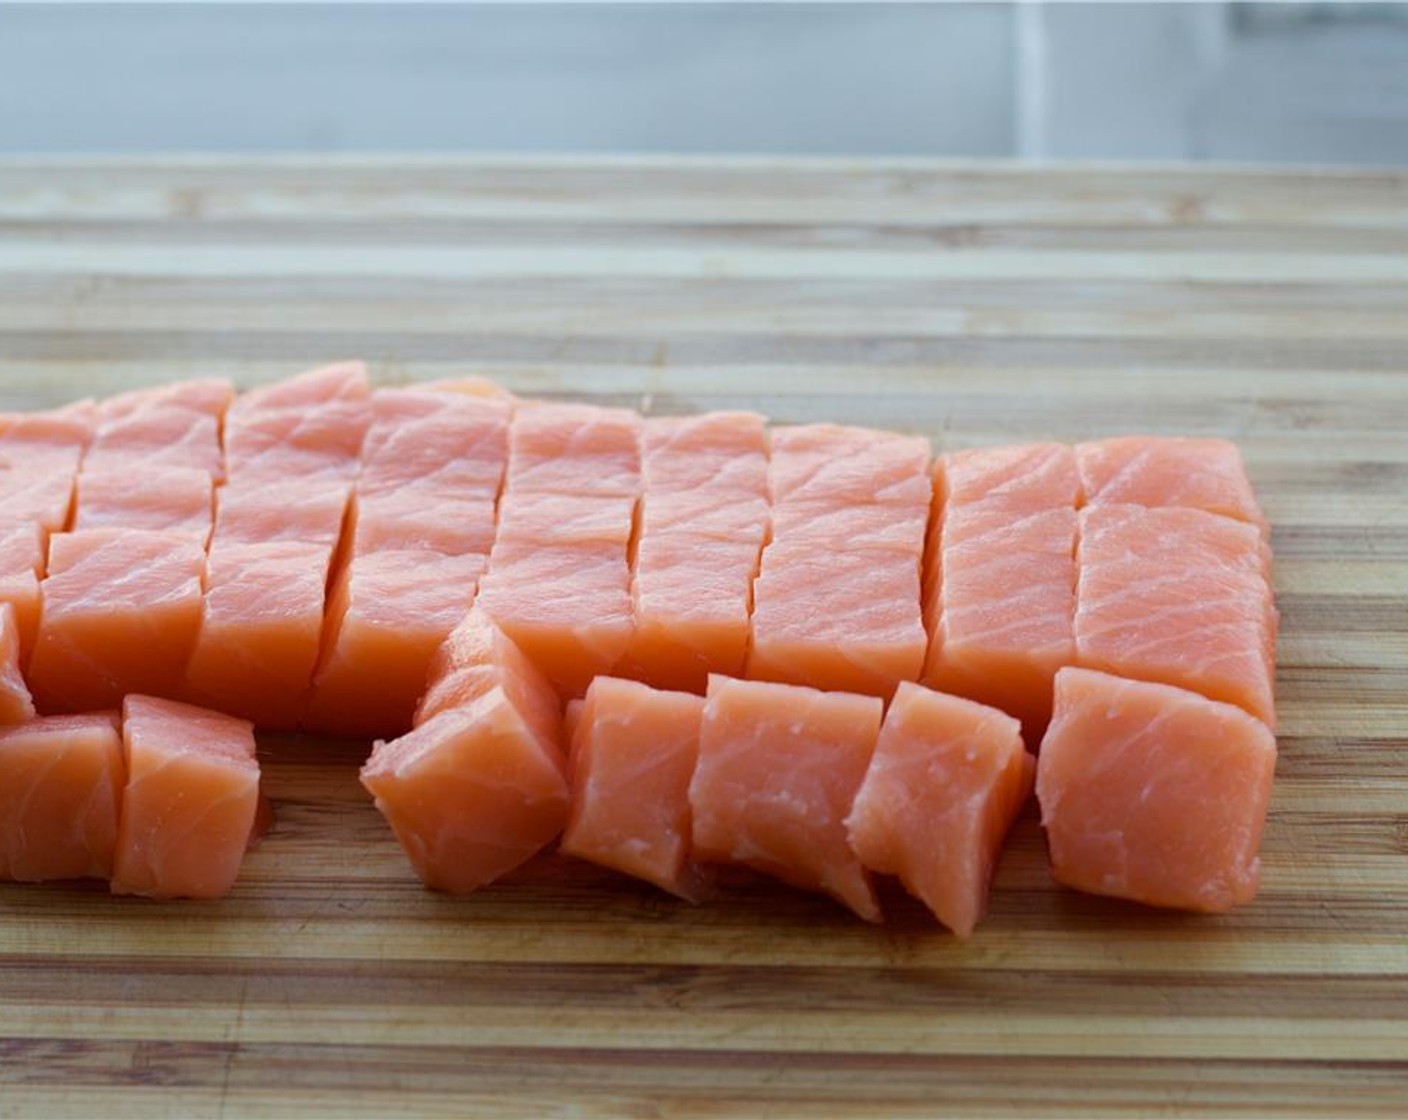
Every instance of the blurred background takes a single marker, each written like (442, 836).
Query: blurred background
(1282, 83)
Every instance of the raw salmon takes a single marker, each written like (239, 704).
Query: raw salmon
(40, 453)
(723, 452)
(22, 564)
(574, 449)
(172, 499)
(1000, 601)
(70, 426)
(946, 782)
(175, 425)
(120, 610)
(1179, 596)
(1153, 793)
(311, 425)
(478, 657)
(451, 445)
(843, 466)
(305, 510)
(191, 800)
(61, 780)
(1205, 474)
(632, 758)
(471, 793)
(779, 768)
(452, 526)
(16, 704)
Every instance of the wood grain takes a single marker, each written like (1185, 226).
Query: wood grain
(973, 304)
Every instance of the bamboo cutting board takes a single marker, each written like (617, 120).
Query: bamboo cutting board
(972, 304)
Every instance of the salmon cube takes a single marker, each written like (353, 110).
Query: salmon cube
(633, 755)
(559, 521)
(191, 800)
(303, 510)
(779, 768)
(848, 466)
(171, 499)
(259, 630)
(574, 449)
(38, 487)
(1178, 596)
(437, 442)
(16, 704)
(174, 425)
(433, 522)
(826, 525)
(119, 614)
(61, 780)
(312, 425)
(721, 452)
(1153, 793)
(716, 513)
(946, 782)
(471, 794)
(1022, 478)
(71, 426)
(388, 613)
(22, 563)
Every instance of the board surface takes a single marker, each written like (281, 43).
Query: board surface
(971, 304)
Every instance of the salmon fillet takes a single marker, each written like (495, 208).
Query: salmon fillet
(190, 804)
(61, 780)
(632, 758)
(16, 704)
(1178, 596)
(779, 768)
(1154, 793)
(947, 780)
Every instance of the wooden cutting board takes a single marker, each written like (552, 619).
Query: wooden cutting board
(974, 304)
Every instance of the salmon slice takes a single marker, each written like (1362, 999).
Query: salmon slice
(1154, 793)
(847, 466)
(721, 452)
(22, 564)
(387, 615)
(303, 510)
(633, 755)
(259, 630)
(174, 425)
(443, 443)
(946, 782)
(567, 608)
(191, 802)
(452, 526)
(310, 425)
(61, 781)
(16, 704)
(120, 610)
(171, 499)
(478, 657)
(1205, 474)
(1000, 603)
(779, 768)
(690, 600)
(1178, 596)
(839, 619)
(471, 794)
(574, 449)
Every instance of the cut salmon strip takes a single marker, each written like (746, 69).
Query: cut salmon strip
(175, 425)
(433, 441)
(946, 782)
(22, 564)
(633, 755)
(478, 657)
(472, 793)
(1001, 571)
(61, 780)
(1205, 474)
(259, 630)
(453, 526)
(1154, 793)
(1178, 596)
(191, 801)
(846, 466)
(16, 704)
(721, 452)
(566, 521)
(120, 609)
(311, 425)
(779, 768)
(574, 449)
(171, 499)
(303, 510)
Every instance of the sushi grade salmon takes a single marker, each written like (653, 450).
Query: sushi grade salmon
(171, 499)
(450, 525)
(574, 449)
(16, 704)
(778, 771)
(1181, 597)
(39, 489)
(61, 780)
(22, 564)
(1001, 576)
(947, 780)
(477, 657)
(311, 425)
(633, 754)
(472, 793)
(847, 466)
(724, 453)
(191, 801)
(175, 425)
(388, 613)
(119, 613)
(1154, 793)
(258, 631)
(303, 510)
(838, 619)
(433, 441)
(566, 521)
(1205, 474)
